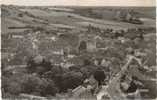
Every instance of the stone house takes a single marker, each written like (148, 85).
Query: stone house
(87, 43)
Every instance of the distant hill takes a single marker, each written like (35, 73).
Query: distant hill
(147, 12)
(70, 17)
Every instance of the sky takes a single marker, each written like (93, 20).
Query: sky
(80, 2)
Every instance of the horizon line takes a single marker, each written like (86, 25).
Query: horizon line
(81, 5)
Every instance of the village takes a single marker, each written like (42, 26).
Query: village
(90, 62)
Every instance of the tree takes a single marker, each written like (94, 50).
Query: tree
(86, 62)
(39, 86)
(51, 89)
(99, 75)
(82, 46)
(20, 15)
(71, 80)
(13, 84)
(38, 65)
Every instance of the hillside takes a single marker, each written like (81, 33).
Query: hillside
(74, 17)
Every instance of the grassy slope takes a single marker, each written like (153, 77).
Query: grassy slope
(72, 18)
(148, 12)
(78, 20)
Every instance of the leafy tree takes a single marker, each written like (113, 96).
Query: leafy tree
(31, 83)
(39, 86)
(20, 15)
(99, 75)
(87, 62)
(38, 65)
(85, 72)
(12, 84)
(71, 80)
(51, 89)
(83, 46)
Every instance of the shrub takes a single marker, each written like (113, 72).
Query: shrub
(20, 15)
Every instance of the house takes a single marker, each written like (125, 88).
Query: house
(91, 45)
(17, 36)
(84, 92)
(105, 63)
(78, 90)
(38, 59)
(128, 17)
(117, 16)
(87, 43)
(31, 97)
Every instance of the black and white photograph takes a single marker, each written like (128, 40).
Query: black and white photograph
(78, 50)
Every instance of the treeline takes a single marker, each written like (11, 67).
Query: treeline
(130, 33)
